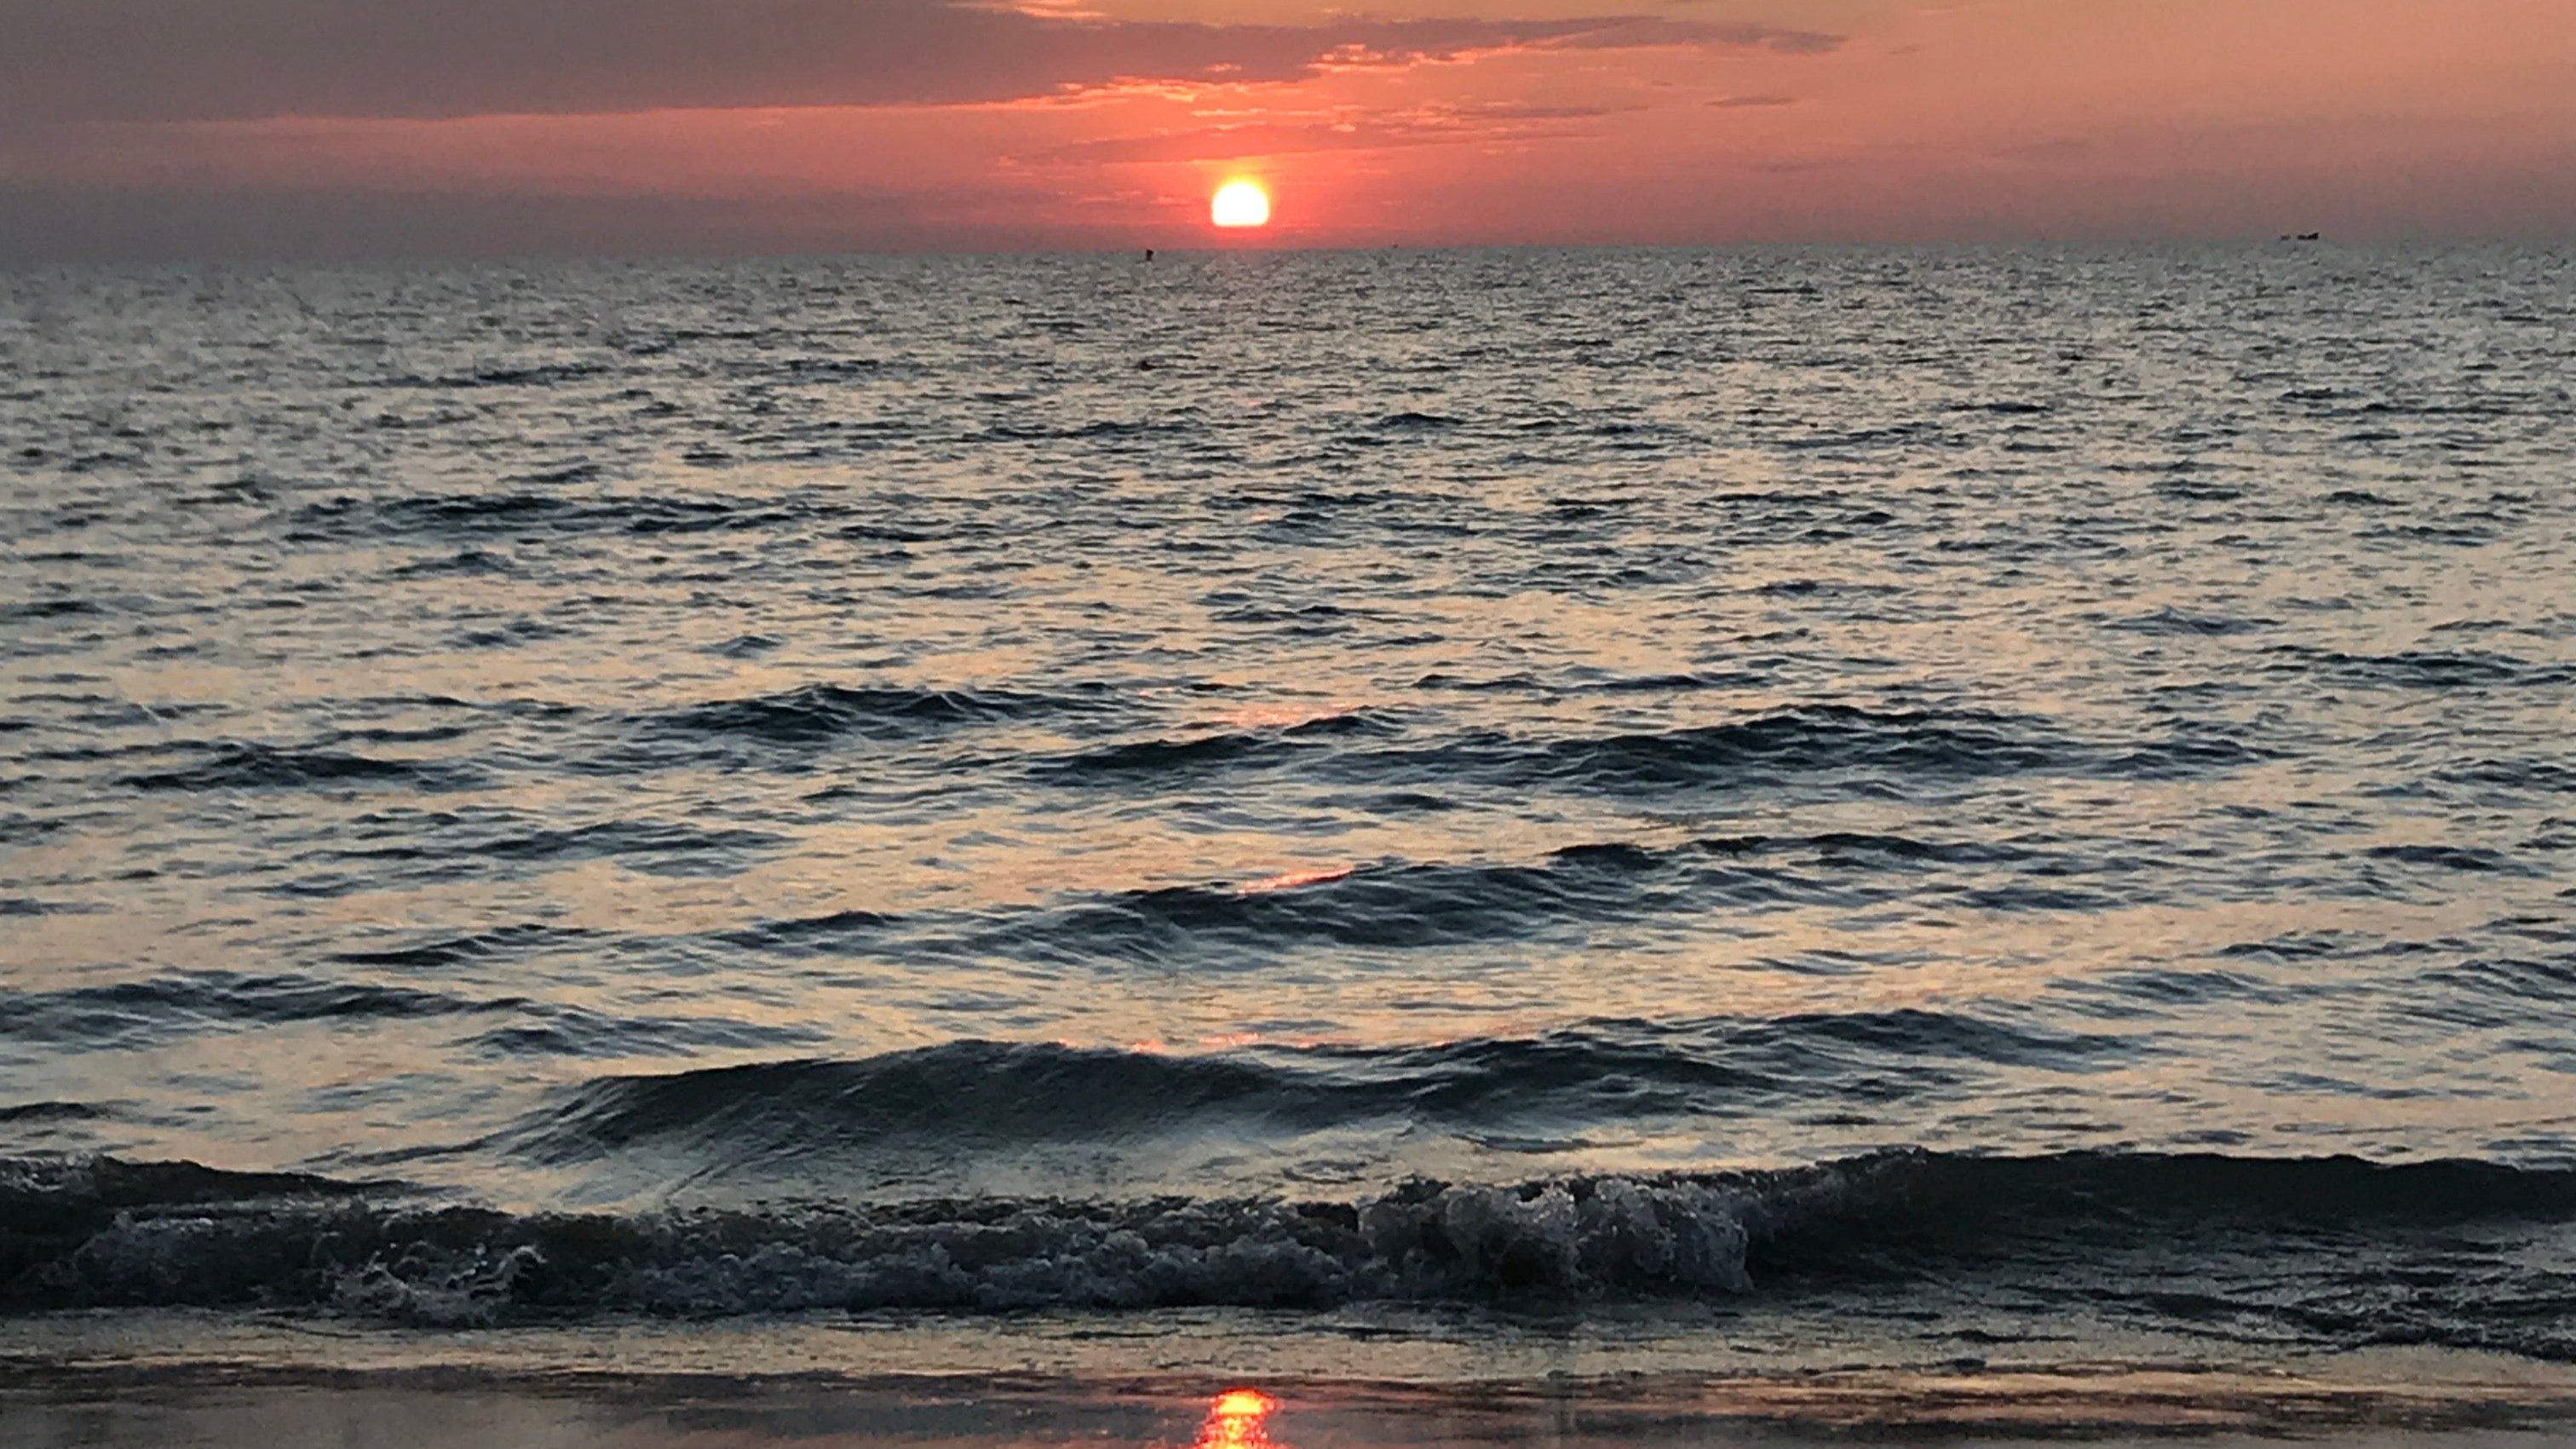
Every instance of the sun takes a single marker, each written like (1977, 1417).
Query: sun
(1240, 203)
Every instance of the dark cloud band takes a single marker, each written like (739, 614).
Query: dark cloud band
(186, 60)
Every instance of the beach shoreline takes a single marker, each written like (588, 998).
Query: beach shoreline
(392, 1391)
(398, 1411)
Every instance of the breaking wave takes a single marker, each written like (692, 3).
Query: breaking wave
(2252, 1236)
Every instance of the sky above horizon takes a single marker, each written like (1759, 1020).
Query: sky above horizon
(148, 128)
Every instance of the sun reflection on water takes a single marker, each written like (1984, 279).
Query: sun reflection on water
(1238, 1419)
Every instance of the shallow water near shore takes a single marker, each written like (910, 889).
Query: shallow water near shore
(2096, 1404)
(1501, 813)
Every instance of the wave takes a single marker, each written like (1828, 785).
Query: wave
(2340, 1251)
(127, 1012)
(53, 1111)
(2192, 490)
(440, 952)
(50, 609)
(1409, 421)
(1801, 740)
(821, 712)
(1094, 431)
(448, 843)
(2183, 623)
(650, 845)
(564, 1031)
(240, 765)
(522, 511)
(131, 1014)
(1400, 904)
(2423, 668)
(537, 375)
(2473, 859)
(1397, 905)
(1125, 760)
(1814, 738)
(999, 1096)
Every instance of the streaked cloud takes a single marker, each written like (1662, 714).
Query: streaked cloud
(1421, 126)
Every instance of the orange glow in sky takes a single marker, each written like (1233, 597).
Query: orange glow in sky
(957, 124)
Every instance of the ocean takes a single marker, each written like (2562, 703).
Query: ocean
(1404, 823)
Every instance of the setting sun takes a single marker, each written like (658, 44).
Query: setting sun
(1236, 1419)
(1240, 203)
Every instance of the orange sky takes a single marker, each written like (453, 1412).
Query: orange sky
(322, 126)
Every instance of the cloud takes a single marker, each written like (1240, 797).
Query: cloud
(197, 60)
(1738, 103)
(1423, 126)
(57, 222)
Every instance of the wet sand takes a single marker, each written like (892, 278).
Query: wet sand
(220, 1408)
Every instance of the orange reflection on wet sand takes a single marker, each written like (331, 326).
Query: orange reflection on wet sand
(1237, 1419)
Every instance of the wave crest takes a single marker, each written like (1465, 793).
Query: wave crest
(2120, 1228)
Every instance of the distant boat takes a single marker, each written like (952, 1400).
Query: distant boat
(2303, 236)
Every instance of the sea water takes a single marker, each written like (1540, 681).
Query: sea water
(1440, 815)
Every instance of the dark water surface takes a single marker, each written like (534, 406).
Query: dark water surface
(2002, 803)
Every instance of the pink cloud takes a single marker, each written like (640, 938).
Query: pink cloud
(1420, 126)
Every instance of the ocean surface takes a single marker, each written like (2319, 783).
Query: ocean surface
(1418, 814)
